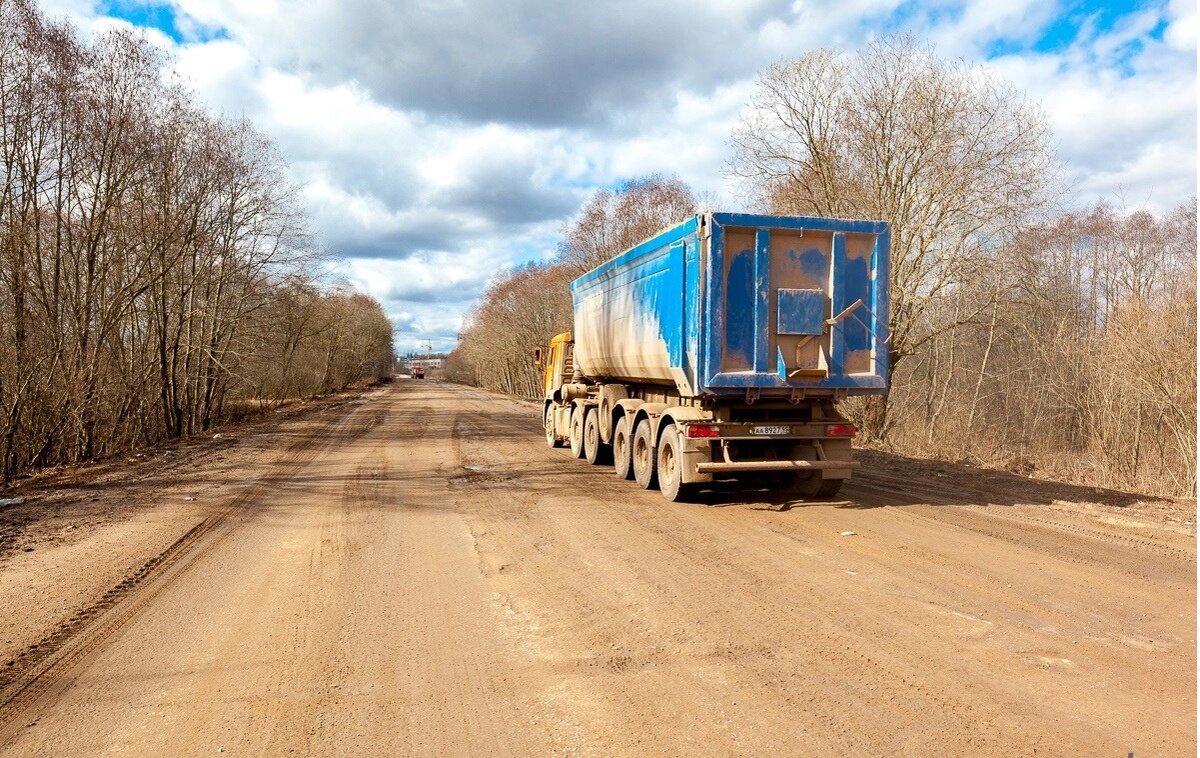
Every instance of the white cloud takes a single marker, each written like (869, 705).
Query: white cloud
(438, 143)
(980, 22)
(1125, 118)
(1182, 28)
(79, 11)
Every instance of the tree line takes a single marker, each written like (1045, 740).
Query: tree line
(156, 271)
(1025, 334)
(527, 306)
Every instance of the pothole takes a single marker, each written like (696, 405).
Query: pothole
(476, 474)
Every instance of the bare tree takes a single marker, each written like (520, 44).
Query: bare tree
(526, 306)
(1086, 371)
(144, 245)
(954, 158)
(612, 222)
(522, 309)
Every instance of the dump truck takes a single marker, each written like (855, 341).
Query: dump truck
(718, 349)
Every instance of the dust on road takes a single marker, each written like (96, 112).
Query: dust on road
(416, 573)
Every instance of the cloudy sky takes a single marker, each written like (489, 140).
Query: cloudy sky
(438, 141)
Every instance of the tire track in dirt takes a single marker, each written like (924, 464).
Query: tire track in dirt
(441, 432)
(859, 640)
(828, 650)
(443, 584)
(45, 666)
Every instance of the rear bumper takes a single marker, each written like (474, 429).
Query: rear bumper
(717, 468)
(780, 430)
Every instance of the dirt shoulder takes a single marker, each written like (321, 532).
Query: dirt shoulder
(80, 531)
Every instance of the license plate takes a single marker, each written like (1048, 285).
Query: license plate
(770, 430)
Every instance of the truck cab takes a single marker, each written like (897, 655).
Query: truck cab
(558, 368)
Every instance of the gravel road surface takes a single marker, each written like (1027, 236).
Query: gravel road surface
(412, 572)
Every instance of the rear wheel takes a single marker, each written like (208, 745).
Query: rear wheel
(577, 432)
(644, 455)
(596, 452)
(670, 466)
(622, 449)
(548, 423)
(814, 485)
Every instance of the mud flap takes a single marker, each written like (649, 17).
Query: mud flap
(832, 450)
(695, 451)
(562, 421)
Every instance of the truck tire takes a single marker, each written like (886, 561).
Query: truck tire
(670, 466)
(576, 435)
(814, 485)
(548, 423)
(644, 456)
(622, 449)
(596, 452)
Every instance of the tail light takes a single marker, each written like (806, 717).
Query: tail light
(840, 430)
(703, 430)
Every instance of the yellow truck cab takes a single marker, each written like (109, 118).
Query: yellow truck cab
(557, 371)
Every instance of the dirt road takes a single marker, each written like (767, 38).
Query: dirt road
(415, 573)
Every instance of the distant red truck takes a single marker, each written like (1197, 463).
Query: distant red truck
(418, 372)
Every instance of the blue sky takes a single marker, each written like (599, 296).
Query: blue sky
(161, 17)
(145, 15)
(438, 143)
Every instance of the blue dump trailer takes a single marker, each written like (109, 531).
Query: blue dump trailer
(717, 349)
